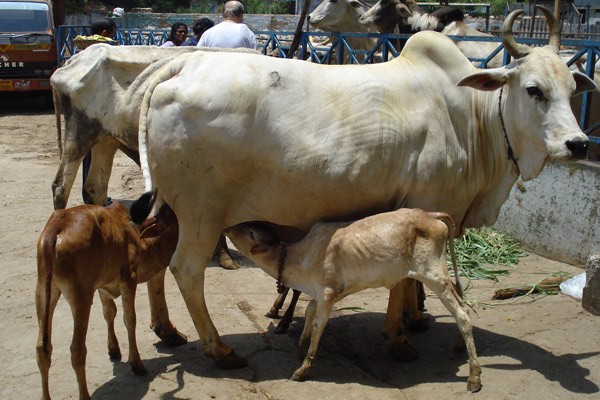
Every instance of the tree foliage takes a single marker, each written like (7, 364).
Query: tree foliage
(184, 6)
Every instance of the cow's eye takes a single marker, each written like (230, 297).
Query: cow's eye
(534, 91)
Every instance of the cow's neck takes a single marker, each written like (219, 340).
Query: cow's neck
(493, 166)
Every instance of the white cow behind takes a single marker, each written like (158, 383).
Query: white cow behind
(99, 91)
(220, 143)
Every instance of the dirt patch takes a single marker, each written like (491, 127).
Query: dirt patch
(546, 348)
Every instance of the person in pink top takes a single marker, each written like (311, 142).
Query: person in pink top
(231, 32)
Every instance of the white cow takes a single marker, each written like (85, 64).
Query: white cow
(220, 142)
(342, 16)
(99, 91)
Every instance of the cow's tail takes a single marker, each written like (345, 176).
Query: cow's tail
(141, 208)
(57, 112)
(447, 219)
(46, 263)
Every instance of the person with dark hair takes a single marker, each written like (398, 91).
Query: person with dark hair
(179, 33)
(201, 26)
(104, 27)
(231, 32)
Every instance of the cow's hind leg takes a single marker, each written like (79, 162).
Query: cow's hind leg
(288, 316)
(444, 289)
(392, 326)
(63, 181)
(109, 310)
(159, 313)
(45, 311)
(96, 183)
(224, 256)
(188, 265)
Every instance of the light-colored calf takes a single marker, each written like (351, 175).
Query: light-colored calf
(88, 248)
(337, 259)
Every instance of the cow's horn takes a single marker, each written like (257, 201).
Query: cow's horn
(514, 49)
(553, 27)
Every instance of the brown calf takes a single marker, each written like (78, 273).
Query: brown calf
(338, 259)
(88, 248)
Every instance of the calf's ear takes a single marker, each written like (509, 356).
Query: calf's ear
(487, 80)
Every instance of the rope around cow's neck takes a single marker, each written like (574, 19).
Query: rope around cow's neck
(510, 150)
(280, 267)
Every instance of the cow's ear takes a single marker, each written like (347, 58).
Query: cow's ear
(260, 248)
(583, 82)
(403, 10)
(487, 80)
(355, 3)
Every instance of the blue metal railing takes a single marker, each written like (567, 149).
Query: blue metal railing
(329, 48)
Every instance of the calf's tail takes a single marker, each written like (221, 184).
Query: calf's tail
(447, 219)
(46, 263)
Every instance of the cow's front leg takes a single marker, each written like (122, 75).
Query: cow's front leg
(392, 326)
(159, 313)
(188, 265)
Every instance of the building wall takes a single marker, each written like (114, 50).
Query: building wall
(556, 215)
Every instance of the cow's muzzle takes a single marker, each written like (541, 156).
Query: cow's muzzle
(578, 148)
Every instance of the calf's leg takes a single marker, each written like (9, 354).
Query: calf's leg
(45, 304)
(321, 314)
(80, 300)
(128, 297)
(452, 301)
(109, 310)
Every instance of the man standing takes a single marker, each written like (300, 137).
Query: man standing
(231, 32)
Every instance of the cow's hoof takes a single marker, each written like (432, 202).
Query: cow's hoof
(281, 328)
(418, 325)
(228, 264)
(474, 384)
(297, 377)
(171, 337)
(114, 354)
(403, 352)
(232, 361)
(138, 368)
(272, 314)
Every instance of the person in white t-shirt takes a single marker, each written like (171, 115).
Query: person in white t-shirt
(231, 32)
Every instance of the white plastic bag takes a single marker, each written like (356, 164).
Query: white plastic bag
(574, 287)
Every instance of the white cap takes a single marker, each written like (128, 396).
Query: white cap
(118, 12)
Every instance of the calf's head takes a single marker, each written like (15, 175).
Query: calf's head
(253, 239)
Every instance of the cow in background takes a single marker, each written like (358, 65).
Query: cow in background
(426, 130)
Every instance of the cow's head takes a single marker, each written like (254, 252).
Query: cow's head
(386, 14)
(331, 14)
(536, 92)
